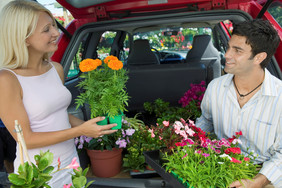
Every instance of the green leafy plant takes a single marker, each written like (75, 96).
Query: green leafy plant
(142, 140)
(119, 139)
(38, 175)
(190, 103)
(79, 179)
(198, 161)
(103, 85)
(164, 112)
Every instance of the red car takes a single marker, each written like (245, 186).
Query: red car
(179, 42)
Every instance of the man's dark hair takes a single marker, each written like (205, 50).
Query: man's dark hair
(260, 35)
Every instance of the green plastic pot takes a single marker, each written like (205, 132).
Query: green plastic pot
(103, 122)
(116, 119)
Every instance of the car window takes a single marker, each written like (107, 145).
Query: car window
(74, 67)
(105, 44)
(172, 39)
(276, 11)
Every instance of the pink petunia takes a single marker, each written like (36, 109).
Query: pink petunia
(74, 164)
(206, 154)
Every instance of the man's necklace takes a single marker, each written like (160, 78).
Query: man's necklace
(241, 96)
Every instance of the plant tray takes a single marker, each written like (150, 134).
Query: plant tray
(152, 158)
(145, 174)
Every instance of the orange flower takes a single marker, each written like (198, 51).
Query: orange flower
(110, 58)
(115, 64)
(88, 65)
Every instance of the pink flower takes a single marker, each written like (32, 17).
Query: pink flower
(67, 186)
(166, 123)
(191, 123)
(160, 138)
(189, 131)
(198, 151)
(184, 156)
(235, 160)
(130, 132)
(190, 141)
(74, 164)
(152, 133)
(206, 154)
(121, 143)
(247, 159)
(59, 163)
(88, 139)
(183, 133)
(178, 125)
(177, 130)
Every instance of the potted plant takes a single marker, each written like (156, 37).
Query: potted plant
(39, 174)
(141, 141)
(190, 105)
(198, 161)
(105, 152)
(104, 89)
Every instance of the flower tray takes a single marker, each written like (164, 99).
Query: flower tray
(152, 158)
(145, 174)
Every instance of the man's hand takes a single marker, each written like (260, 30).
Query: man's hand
(258, 182)
(246, 184)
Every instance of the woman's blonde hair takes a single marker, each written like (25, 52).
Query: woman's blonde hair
(18, 20)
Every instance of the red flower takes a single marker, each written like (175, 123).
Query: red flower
(238, 133)
(233, 150)
(235, 160)
(246, 158)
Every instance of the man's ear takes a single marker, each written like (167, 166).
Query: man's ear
(260, 57)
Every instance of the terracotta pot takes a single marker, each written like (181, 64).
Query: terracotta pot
(105, 163)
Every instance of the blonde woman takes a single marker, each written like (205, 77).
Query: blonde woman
(32, 89)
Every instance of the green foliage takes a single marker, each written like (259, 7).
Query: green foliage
(79, 179)
(276, 12)
(38, 176)
(200, 171)
(34, 176)
(164, 112)
(141, 141)
(104, 91)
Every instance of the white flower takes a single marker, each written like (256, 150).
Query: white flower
(225, 155)
(235, 141)
(220, 162)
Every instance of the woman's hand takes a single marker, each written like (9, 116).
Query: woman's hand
(91, 129)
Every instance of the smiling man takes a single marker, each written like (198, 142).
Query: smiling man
(249, 99)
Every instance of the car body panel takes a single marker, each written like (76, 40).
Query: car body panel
(120, 9)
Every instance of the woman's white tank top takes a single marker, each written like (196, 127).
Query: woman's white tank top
(46, 100)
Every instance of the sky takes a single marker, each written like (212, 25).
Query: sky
(49, 4)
